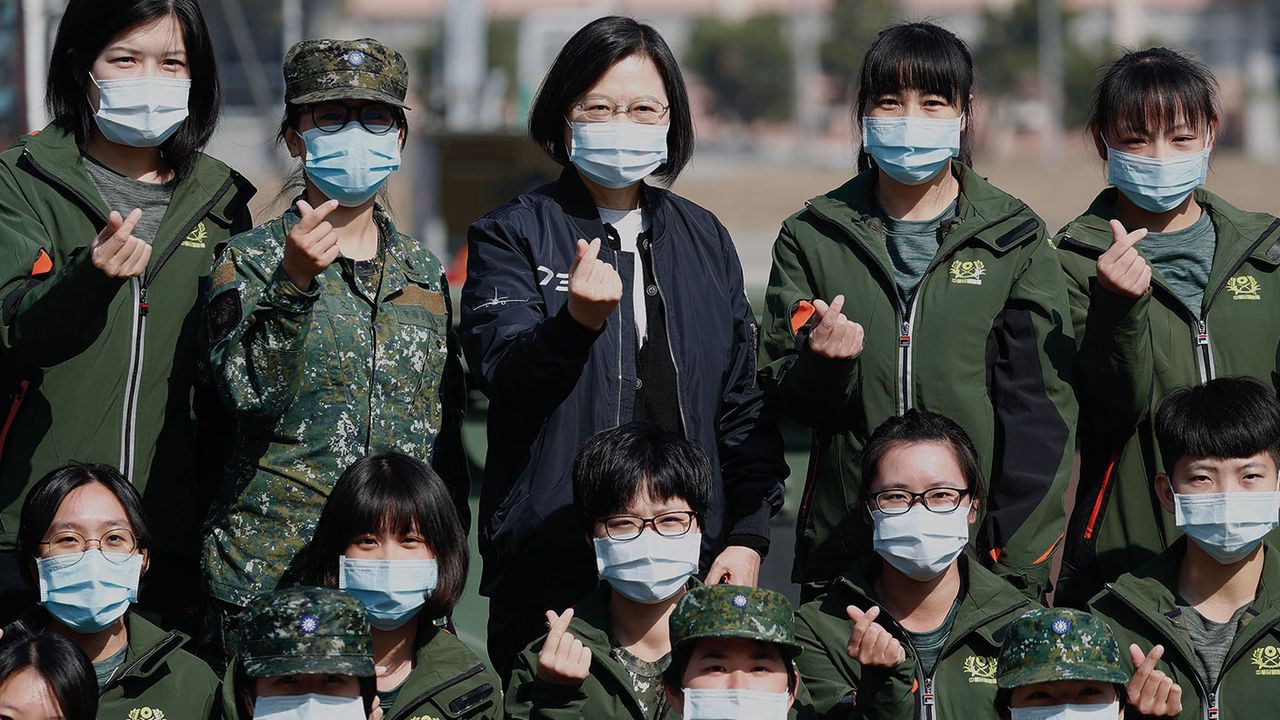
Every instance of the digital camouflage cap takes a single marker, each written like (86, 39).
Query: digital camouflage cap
(732, 611)
(305, 630)
(364, 69)
(1059, 644)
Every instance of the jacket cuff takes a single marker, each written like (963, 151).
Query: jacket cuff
(282, 294)
(752, 542)
(822, 375)
(1116, 311)
(565, 332)
(752, 530)
(551, 696)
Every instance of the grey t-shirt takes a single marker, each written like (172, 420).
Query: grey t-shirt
(123, 194)
(1210, 640)
(912, 245)
(929, 644)
(1183, 258)
(105, 669)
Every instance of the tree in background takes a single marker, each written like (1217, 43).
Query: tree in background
(746, 65)
(854, 26)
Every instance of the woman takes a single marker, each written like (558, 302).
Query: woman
(600, 299)
(389, 535)
(959, 300)
(330, 329)
(304, 654)
(1169, 288)
(86, 545)
(640, 492)
(911, 631)
(45, 677)
(112, 213)
(1060, 664)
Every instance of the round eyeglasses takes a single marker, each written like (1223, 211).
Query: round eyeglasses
(938, 499)
(669, 524)
(116, 545)
(643, 111)
(376, 117)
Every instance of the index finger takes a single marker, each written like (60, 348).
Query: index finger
(126, 228)
(1123, 239)
(593, 251)
(311, 217)
(837, 305)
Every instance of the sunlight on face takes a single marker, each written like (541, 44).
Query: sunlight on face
(27, 696)
(154, 49)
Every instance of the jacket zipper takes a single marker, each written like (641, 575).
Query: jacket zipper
(426, 695)
(1211, 699)
(163, 646)
(905, 354)
(140, 285)
(1214, 707)
(666, 326)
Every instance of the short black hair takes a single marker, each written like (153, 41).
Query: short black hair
(915, 427)
(88, 26)
(1152, 90)
(398, 493)
(618, 465)
(46, 496)
(588, 55)
(1233, 417)
(919, 56)
(65, 669)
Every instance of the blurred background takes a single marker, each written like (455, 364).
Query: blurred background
(770, 82)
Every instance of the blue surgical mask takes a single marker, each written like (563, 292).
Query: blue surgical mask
(89, 591)
(911, 150)
(1070, 711)
(141, 111)
(392, 591)
(650, 568)
(920, 543)
(311, 706)
(1227, 526)
(734, 704)
(1157, 185)
(350, 165)
(617, 154)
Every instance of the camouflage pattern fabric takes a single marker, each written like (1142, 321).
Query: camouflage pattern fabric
(365, 363)
(364, 69)
(1059, 644)
(731, 611)
(306, 630)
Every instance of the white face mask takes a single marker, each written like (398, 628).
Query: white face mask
(312, 706)
(921, 543)
(617, 154)
(650, 568)
(1068, 712)
(141, 111)
(1227, 526)
(734, 704)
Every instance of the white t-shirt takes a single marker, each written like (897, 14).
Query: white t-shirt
(629, 224)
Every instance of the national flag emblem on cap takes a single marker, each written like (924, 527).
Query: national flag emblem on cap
(309, 624)
(1061, 626)
(356, 58)
(740, 600)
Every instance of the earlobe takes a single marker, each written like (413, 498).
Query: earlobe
(1164, 492)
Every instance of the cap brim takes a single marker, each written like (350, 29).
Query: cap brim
(347, 92)
(354, 665)
(1063, 671)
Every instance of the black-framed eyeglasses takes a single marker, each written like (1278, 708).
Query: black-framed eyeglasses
(642, 110)
(121, 543)
(668, 524)
(938, 499)
(377, 117)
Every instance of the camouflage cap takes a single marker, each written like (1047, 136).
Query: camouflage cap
(1059, 644)
(731, 611)
(364, 69)
(305, 630)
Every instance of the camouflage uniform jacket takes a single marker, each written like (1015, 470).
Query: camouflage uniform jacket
(318, 380)
(158, 680)
(963, 683)
(608, 690)
(1142, 607)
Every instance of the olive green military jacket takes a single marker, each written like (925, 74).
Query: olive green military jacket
(607, 692)
(1132, 353)
(364, 363)
(105, 370)
(158, 680)
(448, 682)
(985, 340)
(1141, 607)
(963, 683)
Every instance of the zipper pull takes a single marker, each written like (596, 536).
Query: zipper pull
(928, 692)
(143, 307)
(1211, 712)
(1202, 333)
(904, 340)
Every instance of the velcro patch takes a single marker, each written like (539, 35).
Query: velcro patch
(225, 273)
(432, 302)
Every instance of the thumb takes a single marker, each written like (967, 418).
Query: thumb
(821, 307)
(854, 612)
(1136, 656)
(583, 248)
(114, 222)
